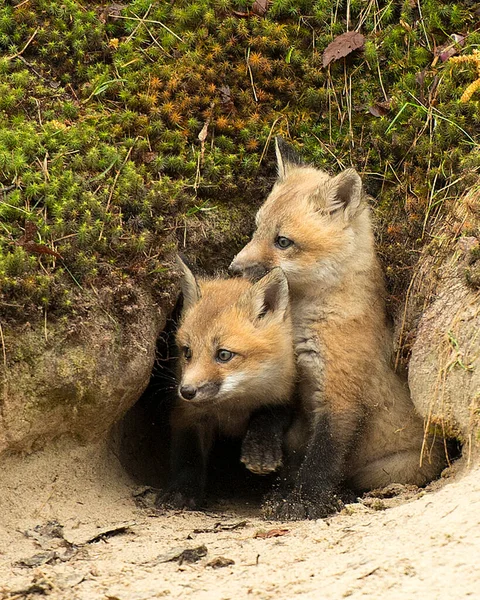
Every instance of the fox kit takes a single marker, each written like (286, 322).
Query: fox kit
(357, 424)
(236, 357)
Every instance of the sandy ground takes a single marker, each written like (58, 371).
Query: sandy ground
(57, 507)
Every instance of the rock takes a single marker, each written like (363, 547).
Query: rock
(76, 376)
(444, 368)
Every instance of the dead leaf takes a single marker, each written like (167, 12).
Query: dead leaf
(91, 533)
(40, 249)
(222, 527)
(220, 562)
(446, 51)
(263, 535)
(202, 136)
(149, 157)
(379, 109)
(42, 558)
(113, 12)
(26, 241)
(183, 555)
(342, 46)
(243, 15)
(226, 98)
(43, 534)
(39, 586)
(107, 532)
(260, 7)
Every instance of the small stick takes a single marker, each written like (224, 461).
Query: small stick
(4, 350)
(18, 54)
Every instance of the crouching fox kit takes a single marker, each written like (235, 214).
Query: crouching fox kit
(236, 357)
(357, 424)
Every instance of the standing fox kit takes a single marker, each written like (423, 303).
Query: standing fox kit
(236, 357)
(357, 425)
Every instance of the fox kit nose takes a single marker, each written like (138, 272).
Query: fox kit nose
(253, 271)
(188, 392)
(235, 269)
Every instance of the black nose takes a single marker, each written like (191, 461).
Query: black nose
(235, 269)
(188, 392)
(254, 271)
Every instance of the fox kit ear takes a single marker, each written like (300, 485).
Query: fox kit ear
(269, 296)
(287, 158)
(344, 193)
(188, 285)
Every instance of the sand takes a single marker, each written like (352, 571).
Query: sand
(57, 506)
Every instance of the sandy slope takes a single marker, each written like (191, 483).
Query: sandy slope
(426, 545)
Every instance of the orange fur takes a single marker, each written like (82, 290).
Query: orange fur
(342, 339)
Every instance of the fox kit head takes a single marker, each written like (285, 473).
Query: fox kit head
(311, 225)
(235, 341)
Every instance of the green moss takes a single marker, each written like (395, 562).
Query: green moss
(100, 117)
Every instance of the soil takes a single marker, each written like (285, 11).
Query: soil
(74, 526)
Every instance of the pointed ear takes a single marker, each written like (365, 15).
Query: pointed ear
(188, 284)
(268, 297)
(287, 158)
(344, 193)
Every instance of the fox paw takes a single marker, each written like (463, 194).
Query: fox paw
(294, 507)
(261, 458)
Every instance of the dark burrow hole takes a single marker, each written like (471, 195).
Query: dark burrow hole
(143, 437)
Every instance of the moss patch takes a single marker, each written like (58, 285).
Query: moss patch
(101, 107)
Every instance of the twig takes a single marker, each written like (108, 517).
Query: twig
(18, 54)
(269, 137)
(142, 21)
(150, 21)
(8, 188)
(117, 175)
(4, 350)
(338, 161)
(251, 75)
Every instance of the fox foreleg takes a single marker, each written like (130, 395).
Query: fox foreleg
(316, 490)
(262, 446)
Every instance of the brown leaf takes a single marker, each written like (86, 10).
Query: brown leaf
(260, 7)
(39, 249)
(449, 49)
(242, 15)
(342, 46)
(183, 555)
(222, 527)
(271, 533)
(202, 136)
(26, 241)
(30, 231)
(219, 562)
(379, 109)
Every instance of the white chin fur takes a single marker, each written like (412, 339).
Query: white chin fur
(232, 382)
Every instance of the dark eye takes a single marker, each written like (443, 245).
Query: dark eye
(187, 353)
(225, 355)
(283, 242)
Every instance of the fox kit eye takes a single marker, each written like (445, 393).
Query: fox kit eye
(224, 355)
(187, 353)
(283, 242)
